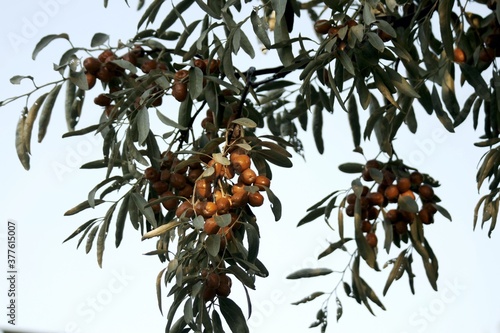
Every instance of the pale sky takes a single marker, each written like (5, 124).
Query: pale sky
(62, 289)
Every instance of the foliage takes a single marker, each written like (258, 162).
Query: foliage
(191, 184)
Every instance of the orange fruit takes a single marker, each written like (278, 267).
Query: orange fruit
(104, 55)
(151, 174)
(247, 177)
(459, 55)
(102, 100)
(177, 180)
(240, 162)
(255, 199)
(372, 213)
(169, 204)
(211, 227)
(165, 175)
(426, 192)
(349, 210)
(149, 65)
(366, 226)
(322, 26)
(160, 187)
(186, 191)
(92, 65)
(223, 205)
(224, 288)
(200, 64)
(408, 193)
(425, 216)
(91, 80)
(180, 91)
(401, 227)
(156, 207)
(239, 199)
(181, 74)
(392, 193)
(416, 178)
(207, 294)
(375, 198)
(393, 215)
(372, 240)
(209, 209)
(185, 209)
(203, 188)
(403, 184)
(213, 280)
(351, 198)
(261, 181)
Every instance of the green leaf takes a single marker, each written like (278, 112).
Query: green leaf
(351, 167)
(259, 29)
(274, 157)
(440, 113)
(309, 298)
(46, 41)
(333, 246)
(82, 206)
(311, 216)
(246, 122)
(309, 272)
(275, 203)
(103, 232)
(401, 84)
(120, 220)
(81, 228)
(212, 244)
(195, 83)
(99, 39)
(476, 80)
(90, 238)
(445, 9)
(318, 128)
(91, 196)
(158, 289)
(352, 109)
(16, 79)
(48, 105)
(375, 41)
(172, 15)
(147, 211)
(20, 143)
(339, 308)
(169, 122)
(233, 315)
(398, 266)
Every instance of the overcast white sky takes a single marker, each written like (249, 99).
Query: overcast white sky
(61, 289)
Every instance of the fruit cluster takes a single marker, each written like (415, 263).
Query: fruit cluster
(209, 189)
(107, 68)
(215, 284)
(392, 189)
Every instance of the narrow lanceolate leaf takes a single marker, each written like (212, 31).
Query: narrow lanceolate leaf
(161, 230)
(398, 266)
(318, 128)
(233, 315)
(68, 103)
(339, 308)
(440, 113)
(21, 148)
(401, 84)
(46, 41)
(309, 298)
(476, 80)
(81, 206)
(309, 272)
(444, 10)
(48, 105)
(120, 220)
(81, 228)
(158, 289)
(146, 210)
(103, 233)
(173, 15)
(353, 116)
(259, 29)
(333, 246)
(90, 238)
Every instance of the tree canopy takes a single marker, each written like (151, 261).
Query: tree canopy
(190, 177)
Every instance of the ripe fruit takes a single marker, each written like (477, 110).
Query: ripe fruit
(160, 187)
(104, 74)
(179, 91)
(333, 31)
(181, 74)
(165, 175)
(211, 227)
(239, 199)
(91, 80)
(240, 162)
(430, 207)
(130, 57)
(392, 193)
(247, 177)
(372, 213)
(349, 210)
(224, 288)
(104, 55)
(388, 177)
(375, 198)
(425, 216)
(151, 174)
(223, 205)
(261, 181)
(171, 203)
(426, 192)
(203, 189)
(416, 178)
(185, 209)
(207, 294)
(372, 240)
(404, 184)
(102, 100)
(177, 180)
(149, 65)
(459, 55)
(255, 199)
(366, 226)
(186, 191)
(156, 207)
(322, 26)
(393, 215)
(92, 65)
(351, 198)
(213, 280)
(209, 209)
(200, 64)
(408, 193)
(400, 227)
(486, 54)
